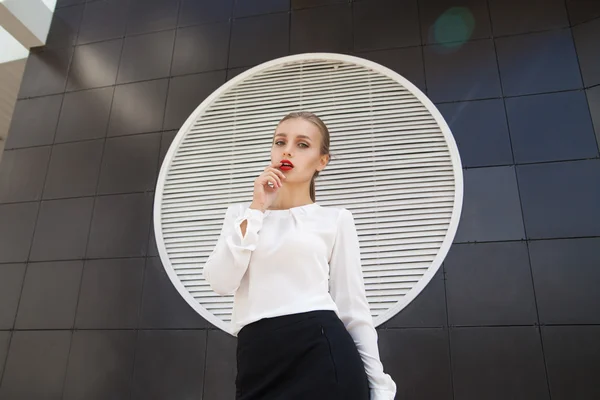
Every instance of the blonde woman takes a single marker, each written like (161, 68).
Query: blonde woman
(300, 312)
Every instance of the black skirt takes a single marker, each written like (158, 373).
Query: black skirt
(300, 356)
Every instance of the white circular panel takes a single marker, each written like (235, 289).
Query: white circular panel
(395, 166)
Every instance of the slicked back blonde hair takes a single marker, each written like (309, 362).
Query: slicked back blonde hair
(312, 118)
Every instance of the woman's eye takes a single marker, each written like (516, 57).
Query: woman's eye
(277, 142)
(304, 144)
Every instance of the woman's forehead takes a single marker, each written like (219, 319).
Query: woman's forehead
(298, 128)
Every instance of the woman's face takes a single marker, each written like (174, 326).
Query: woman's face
(298, 141)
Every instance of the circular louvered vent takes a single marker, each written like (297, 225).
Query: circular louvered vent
(395, 166)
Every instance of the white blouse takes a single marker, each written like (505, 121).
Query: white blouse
(291, 261)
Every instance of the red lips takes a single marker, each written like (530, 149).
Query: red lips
(286, 165)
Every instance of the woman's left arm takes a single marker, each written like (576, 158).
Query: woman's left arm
(348, 291)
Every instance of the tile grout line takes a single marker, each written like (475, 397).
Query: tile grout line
(150, 223)
(516, 175)
(5, 363)
(585, 92)
(352, 49)
(387, 328)
(358, 53)
(290, 21)
(422, 47)
(231, 20)
(443, 266)
(62, 100)
(84, 261)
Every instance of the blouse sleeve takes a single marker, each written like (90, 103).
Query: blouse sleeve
(229, 260)
(348, 291)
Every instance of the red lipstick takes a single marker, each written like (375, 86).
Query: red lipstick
(286, 165)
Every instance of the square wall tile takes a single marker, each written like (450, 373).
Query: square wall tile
(36, 365)
(323, 29)
(566, 276)
(427, 310)
(582, 10)
(152, 248)
(84, 115)
(169, 364)
(408, 62)
(314, 3)
(64, 3)
(138, 108)
(498, 363)
(165, 143)
(186, 93)
(33, 122)
(22, 174)
(129, 164)
(195, 12)
(62, 229)
(16, 231)
(247, 8)
(480, 130)
(95, 65)
(412, 357)
(573, 361)
(120, 226)
(201, 48)
(511, 17)
(162, 305)
(221, 370)
(445, 21)
(489, 284)
(249, 36)
(45, 72)
(467, 72)
(587, 37)
(538, 63)
(49, 297)
(561, 200)
(593, 97)
(383, 24)
(74, 169)
(11, 282)
(152, 15)
(100, 365)
(64, 27)
(491, 207)
(103, 20)
(233, 72)
(4, 342)
(111, 292)
(551, 127)
(146, 57)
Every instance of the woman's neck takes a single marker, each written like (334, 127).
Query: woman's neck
(291, 196)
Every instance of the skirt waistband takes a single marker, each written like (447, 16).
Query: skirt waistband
(269, 325)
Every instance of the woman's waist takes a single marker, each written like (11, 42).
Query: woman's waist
(287, 325)
(250, 312)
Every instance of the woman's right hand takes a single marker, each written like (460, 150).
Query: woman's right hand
(264, 195)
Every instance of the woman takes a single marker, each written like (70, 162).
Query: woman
(300, 312)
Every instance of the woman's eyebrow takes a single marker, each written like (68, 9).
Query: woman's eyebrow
(299, 136)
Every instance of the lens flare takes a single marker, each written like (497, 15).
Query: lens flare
(452, 28)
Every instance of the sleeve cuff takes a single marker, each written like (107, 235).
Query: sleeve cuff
(382, 394)
(255, 221)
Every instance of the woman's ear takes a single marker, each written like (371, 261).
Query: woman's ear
(323, 161)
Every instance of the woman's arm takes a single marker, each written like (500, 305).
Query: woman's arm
(229, 260)
(348, 291)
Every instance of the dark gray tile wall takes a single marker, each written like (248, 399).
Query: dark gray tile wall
(88, 312)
